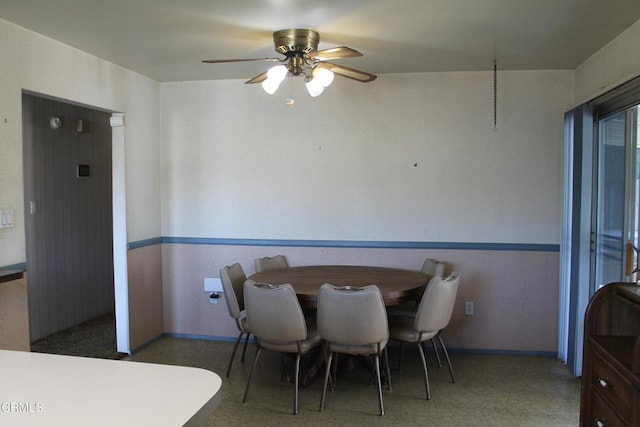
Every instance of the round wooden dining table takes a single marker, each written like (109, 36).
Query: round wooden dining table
(396, 285)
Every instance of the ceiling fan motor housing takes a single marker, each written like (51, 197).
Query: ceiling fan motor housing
(292, 42)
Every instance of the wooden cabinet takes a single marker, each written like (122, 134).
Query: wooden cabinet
(610, 394)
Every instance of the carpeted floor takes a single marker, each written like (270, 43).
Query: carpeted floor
(491, 390)
(93, 338)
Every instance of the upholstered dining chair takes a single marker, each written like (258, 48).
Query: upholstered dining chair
(277, 323)
(233, 279)
(268, 263)
(353, 320)
(432, 316)
(432, 268)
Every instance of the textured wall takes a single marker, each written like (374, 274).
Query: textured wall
(407, 158)
(411, 157)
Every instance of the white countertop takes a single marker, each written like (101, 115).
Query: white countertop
(52, 390)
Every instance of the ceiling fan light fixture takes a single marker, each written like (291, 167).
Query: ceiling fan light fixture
(302, 58)
(278, 73)
(270, 86)
(323, 76)
(275, 76)
(314, 87)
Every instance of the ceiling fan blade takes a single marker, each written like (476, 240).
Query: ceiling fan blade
(351, 73)
(334, 53)
(219, 61)
(258, 79)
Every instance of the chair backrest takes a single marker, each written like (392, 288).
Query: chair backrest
(352, 315)
(432, 268)
(233, 278)
(274, 313)
(436, 306)
(269, 263)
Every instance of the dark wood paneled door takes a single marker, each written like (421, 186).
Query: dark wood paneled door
(68, 214)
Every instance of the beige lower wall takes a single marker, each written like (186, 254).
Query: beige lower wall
(14, 315)
(515, 292)
(145, 294)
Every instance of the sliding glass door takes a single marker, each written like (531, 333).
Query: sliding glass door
(601, 207)
(614, 234)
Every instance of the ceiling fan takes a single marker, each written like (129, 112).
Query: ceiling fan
(301, 58)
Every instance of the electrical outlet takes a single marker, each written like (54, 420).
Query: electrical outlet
(213, 297)
(468, 308)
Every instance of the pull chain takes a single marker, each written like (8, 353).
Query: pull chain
(495, 95)
(290, 102)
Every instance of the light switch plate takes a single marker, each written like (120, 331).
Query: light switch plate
(7, 218)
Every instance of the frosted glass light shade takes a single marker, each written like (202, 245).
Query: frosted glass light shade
(270, 86)
(275, 76)
(278, 73)
(323, 76)
(314, 87)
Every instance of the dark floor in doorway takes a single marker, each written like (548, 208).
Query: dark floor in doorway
(93, 338)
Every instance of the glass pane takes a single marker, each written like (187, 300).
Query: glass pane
(609, 238)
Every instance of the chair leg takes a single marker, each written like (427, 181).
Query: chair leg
(426, 373)
(297, 380)
(284, 373)
(244, 349)
(327, 372)
(386, 360)
(233, 353)
(377, 361)
(253, 368)
(435, 350)
(446, 354)
(372, 378)
(327, 363)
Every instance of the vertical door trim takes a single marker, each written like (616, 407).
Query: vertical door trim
(120, 266)
(576, 236)
(631, 118)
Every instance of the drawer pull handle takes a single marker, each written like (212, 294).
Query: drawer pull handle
(600, 423)
(605, 384)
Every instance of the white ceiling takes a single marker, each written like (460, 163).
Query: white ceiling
(167, 39)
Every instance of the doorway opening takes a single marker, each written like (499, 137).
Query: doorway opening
(75, 231)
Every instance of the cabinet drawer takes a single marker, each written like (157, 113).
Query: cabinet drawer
(611, 385)
(602, 415)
